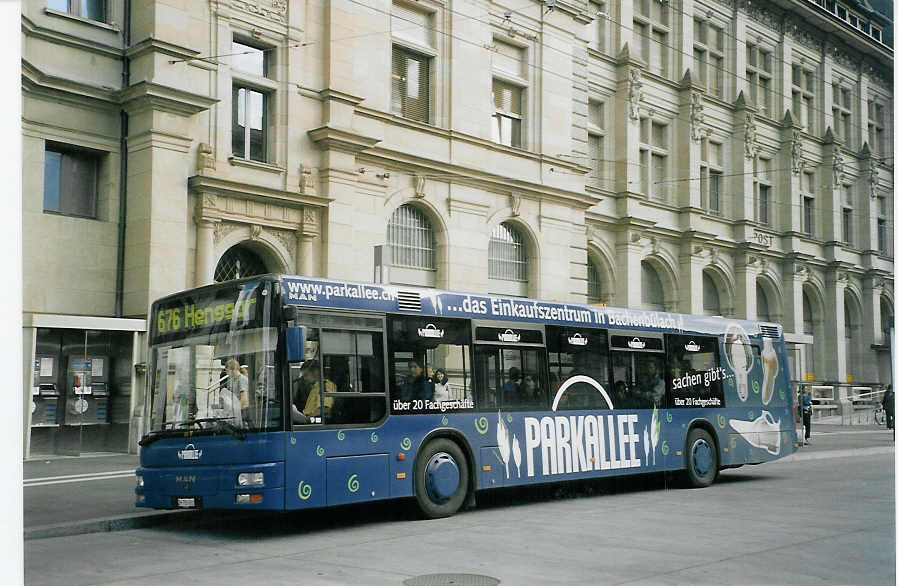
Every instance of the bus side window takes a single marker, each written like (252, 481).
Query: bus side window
(513, 377)
(582, 353)
(430, 364)
(352, 368)
(694, 376)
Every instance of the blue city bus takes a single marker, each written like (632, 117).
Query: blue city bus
(289, 392)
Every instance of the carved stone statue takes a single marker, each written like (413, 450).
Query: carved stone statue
(634, 93)
(797, 154)
(696, 116)
(874, 181)
(838, 165)
(751, 136)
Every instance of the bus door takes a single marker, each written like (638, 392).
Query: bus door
(339, 384)
(510, 375)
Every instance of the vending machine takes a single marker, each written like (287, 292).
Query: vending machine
(88, 391)
(44, 392)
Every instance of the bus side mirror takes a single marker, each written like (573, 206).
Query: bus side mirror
(295, 339)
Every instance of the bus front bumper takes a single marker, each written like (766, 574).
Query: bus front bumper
(245, 486)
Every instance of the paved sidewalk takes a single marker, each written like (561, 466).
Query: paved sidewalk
(95, 493)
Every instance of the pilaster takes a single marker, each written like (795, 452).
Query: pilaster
(834, 348)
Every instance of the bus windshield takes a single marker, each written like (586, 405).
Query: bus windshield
(213, 360)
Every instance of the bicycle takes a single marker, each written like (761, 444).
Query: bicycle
(879, 416)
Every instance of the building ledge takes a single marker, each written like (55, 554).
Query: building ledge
(146, 94)
(112, 27)
(82, 322)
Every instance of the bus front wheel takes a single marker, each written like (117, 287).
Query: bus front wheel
(441, 478)
(701, 458)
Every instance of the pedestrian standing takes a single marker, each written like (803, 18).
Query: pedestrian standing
(806, 408)
(888, 405)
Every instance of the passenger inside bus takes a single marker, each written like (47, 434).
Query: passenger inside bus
(309, 386)
(417, 386)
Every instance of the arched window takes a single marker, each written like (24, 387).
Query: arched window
(593, 286)
(237, 262)
(761, 304)
(507, 254)
(887, 319)
(652, 290)
(850, 352)
(411, 239)
(808, 319)
(710, 296)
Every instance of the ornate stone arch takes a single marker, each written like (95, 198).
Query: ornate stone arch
(774, 295)
(664, 266)
(533, 250)
(263, 241)
(438, 225)
(814, 292)
(598, 253)
(723, 280)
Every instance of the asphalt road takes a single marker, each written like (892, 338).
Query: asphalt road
(813, 519)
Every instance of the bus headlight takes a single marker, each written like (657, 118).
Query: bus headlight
(139, 481)
(251, 479)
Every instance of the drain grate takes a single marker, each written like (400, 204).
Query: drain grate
(451, 580)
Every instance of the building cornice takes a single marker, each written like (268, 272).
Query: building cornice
(480, 177)
(341, 139)
(146, 94)
(36, 81)
(252, 191)
(151, 45)
(34, 30)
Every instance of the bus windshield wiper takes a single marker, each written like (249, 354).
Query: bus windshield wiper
(223, 421)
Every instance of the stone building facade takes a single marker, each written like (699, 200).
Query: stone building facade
(728, 157)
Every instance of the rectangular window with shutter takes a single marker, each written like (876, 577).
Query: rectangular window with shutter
(70, 182)
(508, 116)
(764, 204)
(848, 226)
(410, 85)
(509, 58)
(411, 24)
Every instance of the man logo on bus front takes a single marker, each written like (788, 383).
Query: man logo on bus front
(190, 453)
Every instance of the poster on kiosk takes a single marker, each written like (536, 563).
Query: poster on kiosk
(88, 395)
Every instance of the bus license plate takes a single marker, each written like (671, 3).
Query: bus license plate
(186, 503)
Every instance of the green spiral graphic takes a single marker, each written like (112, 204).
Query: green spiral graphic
(482, 425)
(304, 491)
(731, 383)
(668, 417)
(508, 418)
(444, 420)
(751, 414)
(665, 449)
(721, 421)
(340, 435)
(782, 395)
(319, 450)
(292, 441)
(406, 443)
(353, 483)
(755, 387)
(373, 438)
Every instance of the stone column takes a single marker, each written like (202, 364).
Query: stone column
(834, 350)
(871, 332)
(793, 307)
(692, 261)
(205, 251)
(306, 239)
(747, 269)
(629, 269)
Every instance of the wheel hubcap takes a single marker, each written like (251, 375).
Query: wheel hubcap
(702, 459)
(441, 477)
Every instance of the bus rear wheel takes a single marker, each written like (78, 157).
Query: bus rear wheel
(701, 458)
(441, 478)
